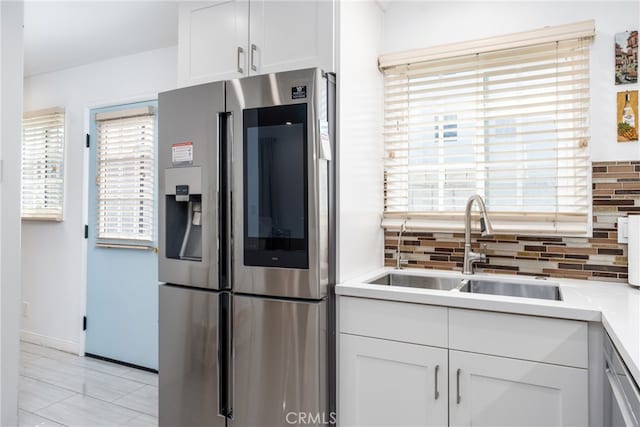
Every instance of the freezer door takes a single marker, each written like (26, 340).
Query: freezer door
(190, 135)
(279, 362)
(188, 360)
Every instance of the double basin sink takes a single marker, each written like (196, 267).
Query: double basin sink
(473, 285)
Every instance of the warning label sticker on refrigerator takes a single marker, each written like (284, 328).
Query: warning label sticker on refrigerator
(325, 142)
(182, 153)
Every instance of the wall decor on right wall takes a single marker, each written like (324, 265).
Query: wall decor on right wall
(626, 57)
(627, 116)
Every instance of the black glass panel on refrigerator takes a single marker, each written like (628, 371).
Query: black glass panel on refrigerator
(275, 186)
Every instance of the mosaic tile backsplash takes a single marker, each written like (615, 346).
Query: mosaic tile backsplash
(616, 192)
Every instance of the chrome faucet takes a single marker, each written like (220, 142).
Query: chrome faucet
(399, 260)
(471, 257)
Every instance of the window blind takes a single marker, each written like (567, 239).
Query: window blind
(508, 124)
(43, 165)
(125, 175)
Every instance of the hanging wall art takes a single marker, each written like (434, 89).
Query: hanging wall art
(627, 116)
(626, 57)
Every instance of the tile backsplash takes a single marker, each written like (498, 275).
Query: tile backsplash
(616, 192)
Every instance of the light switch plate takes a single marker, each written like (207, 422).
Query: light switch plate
(623, 229)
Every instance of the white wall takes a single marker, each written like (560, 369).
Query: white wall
(360, 238)
(54, 254)
(11, 59)
(413, 25)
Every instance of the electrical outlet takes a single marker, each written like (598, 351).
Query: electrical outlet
(25, 309)
(623, 229)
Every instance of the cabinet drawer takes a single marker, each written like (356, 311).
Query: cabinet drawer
(541, 339)
(398, 321)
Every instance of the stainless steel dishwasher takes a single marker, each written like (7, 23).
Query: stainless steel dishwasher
(621, 393)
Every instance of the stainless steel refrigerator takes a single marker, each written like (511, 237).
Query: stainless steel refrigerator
(247, 248)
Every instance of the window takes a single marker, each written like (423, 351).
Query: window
(506, 118)
(43, 165)
(125, 174)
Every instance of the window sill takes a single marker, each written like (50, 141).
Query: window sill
(503, 227)
(127, 246)
(41, 219)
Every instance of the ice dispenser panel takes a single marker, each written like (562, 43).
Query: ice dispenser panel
(183, 194)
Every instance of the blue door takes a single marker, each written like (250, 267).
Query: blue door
(122, 282)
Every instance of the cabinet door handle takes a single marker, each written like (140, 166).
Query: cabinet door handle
(240, 50)
(253, 51)
(458, 397)
(437, 393)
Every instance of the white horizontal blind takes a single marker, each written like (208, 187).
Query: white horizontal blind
(43, 165)
(125, 177)
(510, 125)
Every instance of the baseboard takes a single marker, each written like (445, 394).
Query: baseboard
(56, 343)
(120, 362)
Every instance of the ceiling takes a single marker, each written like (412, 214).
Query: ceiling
(64, 34)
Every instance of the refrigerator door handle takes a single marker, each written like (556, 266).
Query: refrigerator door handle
(228, 153)
(225, 331)
(224, 357)
(228, 175)
(231, 358)
(225, 221)
(222, 398)
(225, 407)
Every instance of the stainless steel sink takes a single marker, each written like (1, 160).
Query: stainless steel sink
(494, 287)
(474, 286)
(424, 282)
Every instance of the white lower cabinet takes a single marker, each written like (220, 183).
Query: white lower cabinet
(498, 391)
(490, 369)
(390, 383)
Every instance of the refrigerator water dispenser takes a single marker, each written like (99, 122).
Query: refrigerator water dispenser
(183, 204)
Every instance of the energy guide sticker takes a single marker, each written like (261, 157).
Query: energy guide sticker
(182, 153)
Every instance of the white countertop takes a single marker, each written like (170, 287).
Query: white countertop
(616, 305)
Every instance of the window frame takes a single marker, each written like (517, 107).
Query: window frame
(112, 113)
(46, 216)
(565, 223)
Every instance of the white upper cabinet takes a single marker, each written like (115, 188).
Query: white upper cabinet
(289, 35)
(212, 41)
(228, 39)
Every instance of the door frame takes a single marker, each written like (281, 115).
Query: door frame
(82, 334)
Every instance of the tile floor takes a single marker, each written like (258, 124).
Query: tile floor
(60, 389)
